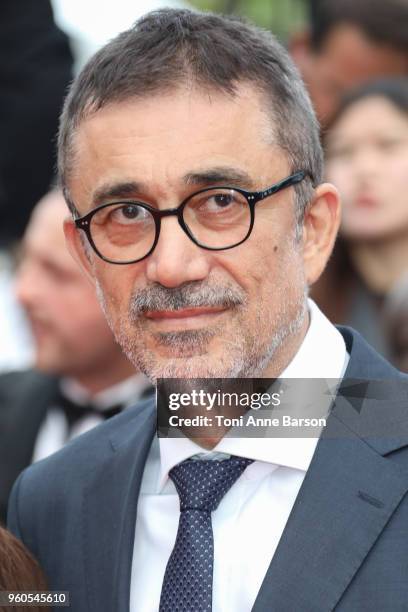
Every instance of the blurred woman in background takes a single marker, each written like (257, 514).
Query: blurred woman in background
(367, 159)
(18, 570)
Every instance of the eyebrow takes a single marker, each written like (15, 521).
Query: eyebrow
(117, 190)
(220, 174)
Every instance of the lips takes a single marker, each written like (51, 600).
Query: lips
(365, 201)
(183, 313)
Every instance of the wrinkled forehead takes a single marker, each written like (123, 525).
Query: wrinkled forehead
(160, 140)
(240, 95)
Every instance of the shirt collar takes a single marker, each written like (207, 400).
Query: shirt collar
(322, 354)
(126, 392)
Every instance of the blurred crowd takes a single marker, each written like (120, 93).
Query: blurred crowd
(61, 372)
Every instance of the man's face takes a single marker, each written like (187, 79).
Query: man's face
(346, 59)
(251, 298)
(69, 329)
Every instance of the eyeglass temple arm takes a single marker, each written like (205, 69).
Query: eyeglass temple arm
(294, 179)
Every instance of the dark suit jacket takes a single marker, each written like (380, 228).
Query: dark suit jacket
(24, 400)
(345, 546)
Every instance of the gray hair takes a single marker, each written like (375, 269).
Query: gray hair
(169, 47)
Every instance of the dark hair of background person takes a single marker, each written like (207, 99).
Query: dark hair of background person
(35, 69)
(334, 289)
(169, 48)
(18, 570)
(383, 21)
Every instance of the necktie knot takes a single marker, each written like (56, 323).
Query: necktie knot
(201, 485)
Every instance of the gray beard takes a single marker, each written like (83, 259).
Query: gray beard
(243, 361)
(242, 356)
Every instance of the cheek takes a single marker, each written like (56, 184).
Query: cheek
(249, 265)
(276, 257)
(271, 274)
(392, 189)
(396, 181)
(64, 306)
(342, 176)
(76, 316)
(114, 287)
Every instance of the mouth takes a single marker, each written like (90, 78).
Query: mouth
(184, 318)
(365, 201)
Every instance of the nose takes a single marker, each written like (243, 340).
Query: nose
(367, 162)
(26, 285)
(176, 259)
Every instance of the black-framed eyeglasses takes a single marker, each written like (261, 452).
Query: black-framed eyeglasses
(215, 218)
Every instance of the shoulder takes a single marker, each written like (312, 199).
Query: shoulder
(83, 454)
(19, 382)
(23, 397)
(52, 492)
(55, 486)
(365, 362)
(375, 394)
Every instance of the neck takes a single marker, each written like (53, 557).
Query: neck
(281, 359)
(99, 379)
(381, 263)
(288, 349)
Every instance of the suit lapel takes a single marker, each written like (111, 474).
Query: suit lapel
(109, 516)
(348, 495)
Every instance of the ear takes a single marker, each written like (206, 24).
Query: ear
(76, 247)
(320, 227)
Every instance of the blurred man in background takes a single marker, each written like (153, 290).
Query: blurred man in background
(35, 69)
(81, 375)
(350, 42)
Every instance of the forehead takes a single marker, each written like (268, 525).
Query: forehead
(160, 139)
(373, 115)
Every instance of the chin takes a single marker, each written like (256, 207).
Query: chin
(179, 354)
(194, 366)
(367, 228)
(361, 233)
(190, 367)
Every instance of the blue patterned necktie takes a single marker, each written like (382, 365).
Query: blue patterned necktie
(201, 485)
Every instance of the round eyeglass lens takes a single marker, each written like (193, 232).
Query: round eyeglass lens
(123, 232)
(218, 218)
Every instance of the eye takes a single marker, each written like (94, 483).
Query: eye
(388, 144)
(128, 214)
(219, 202)
(340, 152)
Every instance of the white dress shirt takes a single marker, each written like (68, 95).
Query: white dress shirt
(16, 346)
(251, 517)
